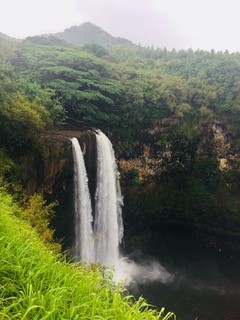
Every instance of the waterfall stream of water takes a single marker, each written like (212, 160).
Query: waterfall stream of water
(101, 243)
(83, 233)
(108, 225)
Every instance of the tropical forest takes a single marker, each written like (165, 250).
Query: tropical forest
(173, 119)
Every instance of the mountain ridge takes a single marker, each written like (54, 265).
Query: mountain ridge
(89, 33)
(84, 34)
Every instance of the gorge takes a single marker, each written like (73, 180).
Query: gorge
(191, 272)
(98, 233)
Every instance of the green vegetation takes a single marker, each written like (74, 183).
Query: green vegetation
(183, 106)
(37, 284)
(88, 33)
(39, 214)
(126, 89)
(173, 117)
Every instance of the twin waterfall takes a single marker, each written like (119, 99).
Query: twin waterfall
(98, 239)
(99, 231)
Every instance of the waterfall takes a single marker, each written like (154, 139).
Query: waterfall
(108, 225)
(101, 244)
(83, 233)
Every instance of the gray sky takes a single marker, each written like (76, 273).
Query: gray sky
(203, 24)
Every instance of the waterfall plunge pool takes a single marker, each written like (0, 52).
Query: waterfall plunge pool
(204, 283)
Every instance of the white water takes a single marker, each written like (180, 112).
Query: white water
(102, 244)
(83, 243)
(108, 225)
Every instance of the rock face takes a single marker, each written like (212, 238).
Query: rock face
(214, 140)
(41, 174)
(52, 174)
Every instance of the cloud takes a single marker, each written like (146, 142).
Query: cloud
(138, 20)
(181, 24)
(172, 23)
(210, 24)
(30, 17)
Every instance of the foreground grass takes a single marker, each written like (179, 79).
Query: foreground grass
(38, 284)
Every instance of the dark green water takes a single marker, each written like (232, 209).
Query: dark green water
(206, 284)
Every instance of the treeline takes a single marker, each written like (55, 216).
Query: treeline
(124, 89)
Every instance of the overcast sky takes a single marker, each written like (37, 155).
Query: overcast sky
(203, 24)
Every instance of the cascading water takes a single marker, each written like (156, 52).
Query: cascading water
(83, 237)
(102, 244)
(108, 225)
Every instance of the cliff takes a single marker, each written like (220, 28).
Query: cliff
(52, 175)
(185, 182)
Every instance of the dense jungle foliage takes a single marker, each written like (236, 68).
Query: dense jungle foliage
(173, 115)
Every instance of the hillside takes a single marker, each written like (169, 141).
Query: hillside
(173, 117)
(4, 36)
(37, 284)
(88, 33)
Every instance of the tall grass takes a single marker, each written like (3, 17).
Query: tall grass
(38, 284)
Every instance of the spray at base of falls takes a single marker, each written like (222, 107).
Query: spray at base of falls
(101, 243)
